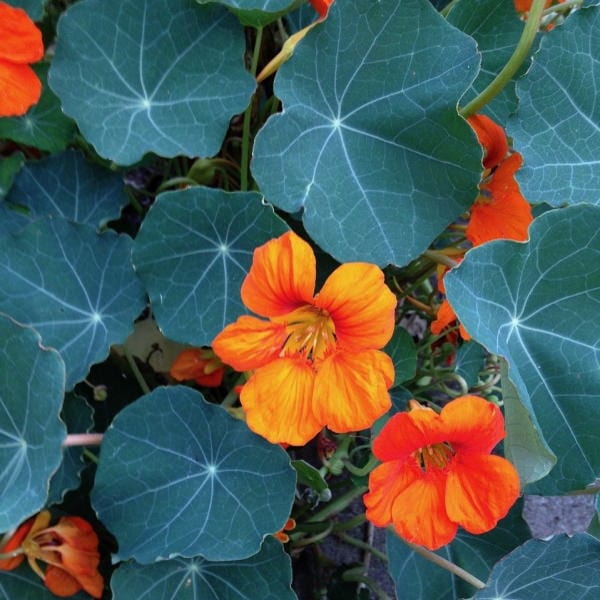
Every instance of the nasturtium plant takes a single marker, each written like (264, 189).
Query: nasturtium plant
(272, 269)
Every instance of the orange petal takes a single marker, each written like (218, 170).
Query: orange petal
(492, 137)
(61, 583)
(321, 6)
(278, 400)
(199, 364)
(444, 318)
(15, 541)
(20, 39)
(281, 278)
(361, 306)
(406, 432)
(480, 490)
(249, 343)
(472, 424)
(386, 482)
(501, 212)
(419, 512)
(351, 389)
(20, 89)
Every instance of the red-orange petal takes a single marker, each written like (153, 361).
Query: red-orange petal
(386, 482)
(361, 306)
(406, 432)
(351, 389)
(501, 212)
(321, 6)
(20, 39)
(61, 583)
(249, 343)
(419, 512)
(492, 137)
(472, 424)
(278, 401)
(281, 278)
(480, 490)
(20, 89)
(15, 541)
(444, 318)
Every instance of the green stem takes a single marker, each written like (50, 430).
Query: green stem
(564, 7)
(363, 546)
(13, 554)
(446, 10)
(520, 54)
(245, 158)
(337, 505)
(89, 454)
(362, 578)
(361, 471)
(441, 258)
(350, 523)
(232, 395)
(135, 370)
(436, 559)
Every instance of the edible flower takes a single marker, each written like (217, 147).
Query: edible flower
(69, 549)
(316, 361)
(20, 44)
(200, 364)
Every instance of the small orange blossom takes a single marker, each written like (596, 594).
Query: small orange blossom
(20, 44)
(438, 473)
(70, 549)
(321, 6)
(316, 362)
(200, 364)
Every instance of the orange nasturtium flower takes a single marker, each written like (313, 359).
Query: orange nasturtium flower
(438, 473)
(70, 549)
(20, 44)
(316, 362)
(200, 364)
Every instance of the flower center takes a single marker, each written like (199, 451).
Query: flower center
(311, 332)
(435, 456)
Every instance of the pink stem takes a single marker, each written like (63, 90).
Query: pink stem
(83, 439)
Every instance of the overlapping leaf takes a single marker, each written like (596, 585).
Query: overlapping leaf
(179, 476)
(561, 568)
(557, 126)
(369, 141)
(266, 575)
(77, 288)
(34, 8)
(536, 303)
(403, 353)
(66, 185)
(139, 76)
(258, 13)
(193, 252)
(32, 384)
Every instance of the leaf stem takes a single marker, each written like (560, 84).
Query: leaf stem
(362, 545)
(436, 559)
(441, 258)
(446, 10)
(245, 158)
(337, 505)
(564, 7)
(83, 439)
(135, 370)
(520, 54)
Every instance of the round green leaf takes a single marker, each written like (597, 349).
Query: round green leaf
(32, 385)
(373, 150)
(77, 288)
(179, 476)
(44, 125)
(193, 251)
(139, 76)
(66, 185)
(561, 568)
(557, 126)
(266, 575)
(536, 303)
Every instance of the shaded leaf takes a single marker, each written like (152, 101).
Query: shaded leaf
(258, 13)
(403, 353)
(470, 359)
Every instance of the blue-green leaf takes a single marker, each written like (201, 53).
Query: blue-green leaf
(557, 126)
(139, 76)
(9, 167)
(536, 303)
(265, 576)
(193, 251)
(561, 568)
(403, 353)
(369, 139)
(77, 288)
(258, 13)
(469, 361)
(179, 476)
(34, 8)
(32, 385)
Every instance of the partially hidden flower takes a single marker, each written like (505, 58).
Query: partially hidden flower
(316, 361)
(282, 536)
(20, 44)
(321, 6)
(69, 549)
(438, 472)
(500, 211)
(492, 137)
(525, 5)
(201, 365)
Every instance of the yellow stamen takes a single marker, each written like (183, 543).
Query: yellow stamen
(311, 332)
(435, 456)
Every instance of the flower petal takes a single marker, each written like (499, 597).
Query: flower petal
(386, 482)
(361, 306)
(61, 583)
(278, 400)
(249, 343)
(406, 432)
(20, 89)
(419, 512)
(281, 278)
(492, 137)
(20, 39)
(351, 389)
(480, 490)
(321, 6)
(472, 424)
